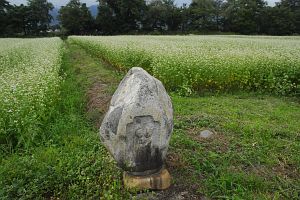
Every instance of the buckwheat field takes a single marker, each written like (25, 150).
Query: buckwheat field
(243, 90)
(29, 85)
(207, 63)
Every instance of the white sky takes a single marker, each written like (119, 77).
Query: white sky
(93, 2)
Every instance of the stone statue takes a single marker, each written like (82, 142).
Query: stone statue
(137, 129)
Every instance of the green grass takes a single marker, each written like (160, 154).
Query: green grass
(254, 153)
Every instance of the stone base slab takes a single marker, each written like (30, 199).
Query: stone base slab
(158, 181)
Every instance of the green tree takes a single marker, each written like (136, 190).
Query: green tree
(38, 16)
(218, 14)
(76, 18)
(243, 16)
(4, 8)
(18, 20)
(13, 19)
(293, 6)
(156, 16)
(163, 15)
(107, 21)
(202, 15)
(277, 20)
(174, 15)
(120, 16)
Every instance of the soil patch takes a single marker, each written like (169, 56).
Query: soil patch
(98, 102)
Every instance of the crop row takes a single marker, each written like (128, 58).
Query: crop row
(206, 63)
(29, 85)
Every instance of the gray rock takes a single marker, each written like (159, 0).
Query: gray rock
(138, 126)
(206, 134)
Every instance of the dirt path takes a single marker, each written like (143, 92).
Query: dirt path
(101, 81)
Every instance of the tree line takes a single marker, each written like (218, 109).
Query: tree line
(153, 16)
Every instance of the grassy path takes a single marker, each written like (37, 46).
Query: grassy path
(253, 154)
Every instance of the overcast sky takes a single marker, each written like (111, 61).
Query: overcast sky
(93, 2)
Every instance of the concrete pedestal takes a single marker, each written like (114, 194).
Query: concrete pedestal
(158, 181)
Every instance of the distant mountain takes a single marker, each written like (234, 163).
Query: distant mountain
(54, 13)
(179, 3)
(94, 10)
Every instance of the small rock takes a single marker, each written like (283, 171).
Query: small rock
(206, 134)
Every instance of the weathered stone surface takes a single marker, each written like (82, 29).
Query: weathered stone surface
(138, 126)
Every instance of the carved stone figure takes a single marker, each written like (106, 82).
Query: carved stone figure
(138, 126)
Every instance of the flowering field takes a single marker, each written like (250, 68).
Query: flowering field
(29, 81)
(207, 63)
(253, 153)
